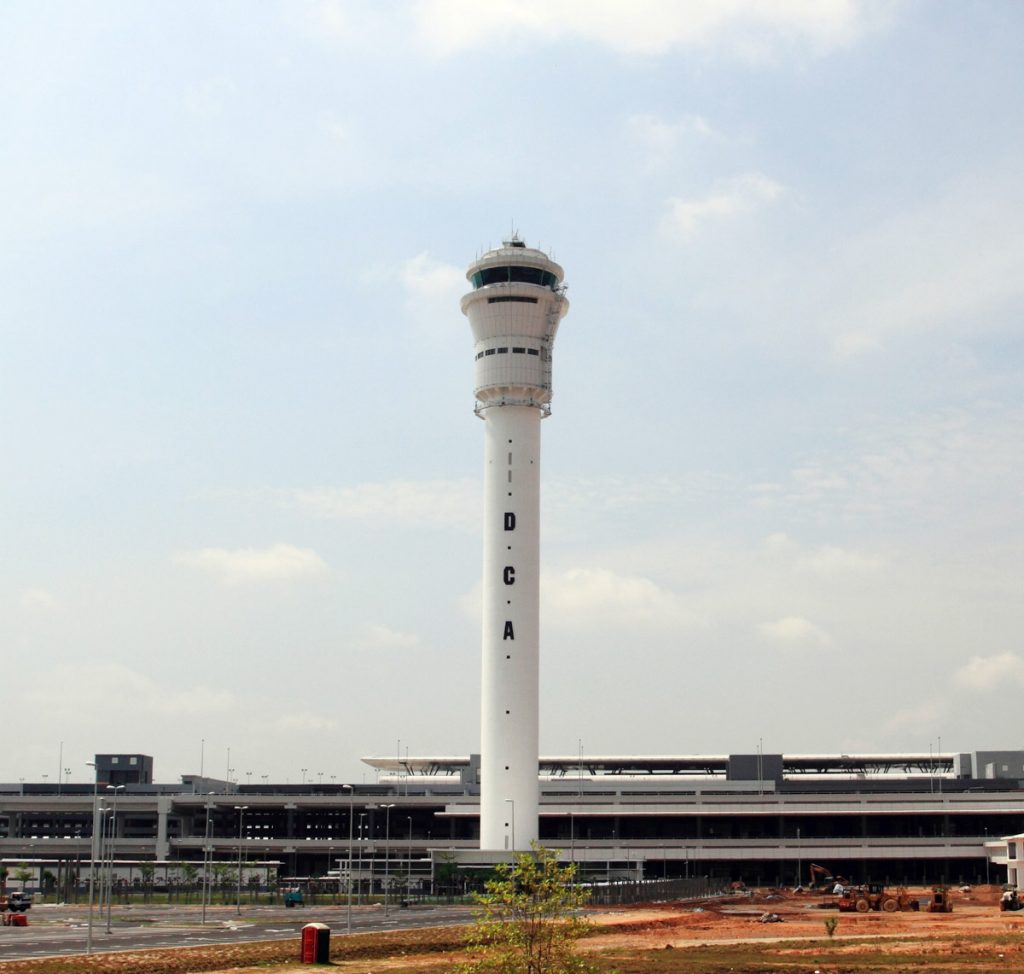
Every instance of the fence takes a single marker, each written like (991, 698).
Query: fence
(653, 890)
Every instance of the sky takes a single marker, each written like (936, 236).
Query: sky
(240, 474)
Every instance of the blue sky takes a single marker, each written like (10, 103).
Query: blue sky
(241, 473)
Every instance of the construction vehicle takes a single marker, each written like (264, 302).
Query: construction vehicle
(17, 902)
(820, 877)
(940, 901)
(1010, 901)
(874, 897)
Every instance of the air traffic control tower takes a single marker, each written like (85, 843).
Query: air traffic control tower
(514, 309)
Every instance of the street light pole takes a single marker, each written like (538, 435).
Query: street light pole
(92, 854)
(387, 839)
(799, 856)
(112, 846)
(207, 856)
(985, 849)
(351, 808)
(572, 844)
(362, 815)
(241, 817)
(408, 864)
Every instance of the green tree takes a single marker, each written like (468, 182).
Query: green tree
(23, 874)
(528, 922)
(189, 873)
(222, 873)
(146, 871)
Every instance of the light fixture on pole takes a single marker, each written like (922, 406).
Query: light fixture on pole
(241, 817)
(387, 839)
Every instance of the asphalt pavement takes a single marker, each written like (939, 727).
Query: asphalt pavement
(59, 931)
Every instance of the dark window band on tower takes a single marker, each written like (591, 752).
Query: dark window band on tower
(511, 297)
(519, 275)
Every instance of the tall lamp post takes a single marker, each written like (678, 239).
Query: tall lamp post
(799, 856)
(351, 808)
(387, 839)
(572, 845)
(362, 815)
(241, 817)
(985, 849)
(93, 853)
(408, 863)
(111, 846)
(207, 856)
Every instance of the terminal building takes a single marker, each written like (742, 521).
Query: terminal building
(757, 818)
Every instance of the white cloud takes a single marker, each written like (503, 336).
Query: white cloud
(138, 697)
(210, 97)
(584, 596)
(280, 562)
(947, 265)
(831, 559)
(984, 673)
(660, 138)
(425, 277)
(37, 600)
(796, 632)
(333, 18)
(437, 503)
(920, 716)
(304, 723)
(745, 29)
(376, 638)
(729, 199)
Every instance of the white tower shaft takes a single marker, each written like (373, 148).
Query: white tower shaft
(509, 745)
(514, 310)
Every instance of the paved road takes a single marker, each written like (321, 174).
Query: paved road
(60, 931)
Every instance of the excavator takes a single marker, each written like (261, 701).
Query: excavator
(821, 878)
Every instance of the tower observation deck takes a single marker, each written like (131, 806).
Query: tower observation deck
(514, 310)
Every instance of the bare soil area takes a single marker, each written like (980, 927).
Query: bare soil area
(752, 933)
